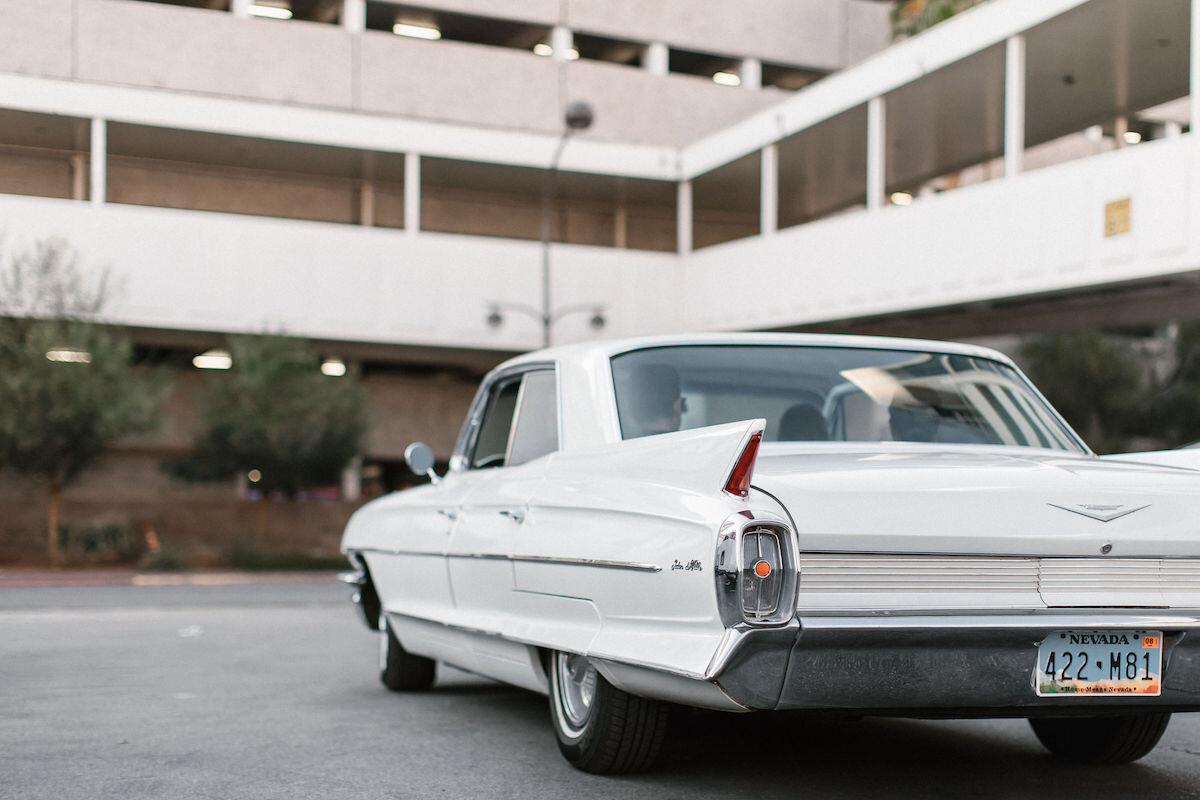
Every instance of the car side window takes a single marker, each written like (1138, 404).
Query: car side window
(491, 445)
(520, 421)
(535, 432)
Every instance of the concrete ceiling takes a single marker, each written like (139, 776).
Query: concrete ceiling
(1085, 67)
(25, 129)
(528, 182)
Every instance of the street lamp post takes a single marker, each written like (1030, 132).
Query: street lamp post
(577, 117)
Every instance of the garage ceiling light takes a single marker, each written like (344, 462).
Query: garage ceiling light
(543, 49)
(270, 10)
(213, 359)
(69, 355)
(417, 31)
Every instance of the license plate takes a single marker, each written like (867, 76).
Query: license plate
(1099, 662)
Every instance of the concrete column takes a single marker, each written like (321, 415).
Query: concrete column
(78, 178)
(561, 40)
(657, 60)
(1120, 128)
(876, 151)
(620, 226)
(751, 73)
(354, 15)
(366, 191)
(352, 480)
(1014, 105)
(683, 217)
(99, 161)
(1195, 74)
(1172, 129)
(240, 8)
(412, 193)
(769, 188)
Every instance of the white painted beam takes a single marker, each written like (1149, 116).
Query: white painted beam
(657, 59)
(683, 218)
(99, 161)
(968, 33)
(769, 189)
(1014, 105)
(562, 40)
(412, 193)
(1195, 75)
(170, 109)
(876, 151)
(750, 73)
(354, 15)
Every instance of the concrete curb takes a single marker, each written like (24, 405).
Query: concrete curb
(20, 579)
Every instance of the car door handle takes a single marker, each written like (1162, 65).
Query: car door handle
(515, 515)
(448, 513)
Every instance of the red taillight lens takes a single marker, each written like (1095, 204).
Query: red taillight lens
(739, 479)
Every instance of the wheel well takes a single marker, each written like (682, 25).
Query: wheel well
(368, 597)
(543, 660)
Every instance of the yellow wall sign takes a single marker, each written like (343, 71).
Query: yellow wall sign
(1116, 217)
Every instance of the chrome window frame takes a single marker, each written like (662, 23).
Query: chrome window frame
(460, 459)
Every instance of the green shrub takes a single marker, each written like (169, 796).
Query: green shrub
(243, 555)
(165, 559)
(100, 544)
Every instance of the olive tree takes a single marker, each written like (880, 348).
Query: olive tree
(1177, 407)
(1098, 381)
(275, 413)
(68, 389)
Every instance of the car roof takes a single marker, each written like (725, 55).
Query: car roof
(606, 348)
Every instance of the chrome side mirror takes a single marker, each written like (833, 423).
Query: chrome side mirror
(419, 458)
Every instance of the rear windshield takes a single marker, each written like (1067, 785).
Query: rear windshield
(834, 394)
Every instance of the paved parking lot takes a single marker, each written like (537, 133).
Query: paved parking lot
(268, 690)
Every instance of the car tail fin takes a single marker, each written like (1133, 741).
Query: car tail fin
(715, 459)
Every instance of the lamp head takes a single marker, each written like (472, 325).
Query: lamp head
(579, 115)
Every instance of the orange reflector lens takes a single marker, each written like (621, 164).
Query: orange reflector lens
(762, 569)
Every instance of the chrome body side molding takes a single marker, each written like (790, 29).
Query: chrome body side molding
(570, 562)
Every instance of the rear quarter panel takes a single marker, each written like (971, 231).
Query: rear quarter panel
(650, 509)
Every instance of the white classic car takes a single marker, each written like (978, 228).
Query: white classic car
(777, 521)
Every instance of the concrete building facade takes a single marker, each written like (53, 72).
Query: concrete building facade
(201, 150)
(394, 182)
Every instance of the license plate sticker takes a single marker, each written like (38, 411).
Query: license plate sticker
(1099, 662)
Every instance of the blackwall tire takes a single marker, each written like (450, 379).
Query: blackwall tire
(399, 669)
(1102, 740)
(600, 728)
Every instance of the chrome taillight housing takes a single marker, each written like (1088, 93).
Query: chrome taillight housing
(756, 570)
(762, 573)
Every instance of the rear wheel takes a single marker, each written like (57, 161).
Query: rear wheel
(1102, 740)
(599, 727)
(399, 669)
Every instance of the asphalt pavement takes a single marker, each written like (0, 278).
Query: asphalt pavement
(258, 689)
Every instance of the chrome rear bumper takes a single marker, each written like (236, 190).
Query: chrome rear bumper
(944, 665)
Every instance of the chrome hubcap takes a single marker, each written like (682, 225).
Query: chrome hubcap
(576, 688)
